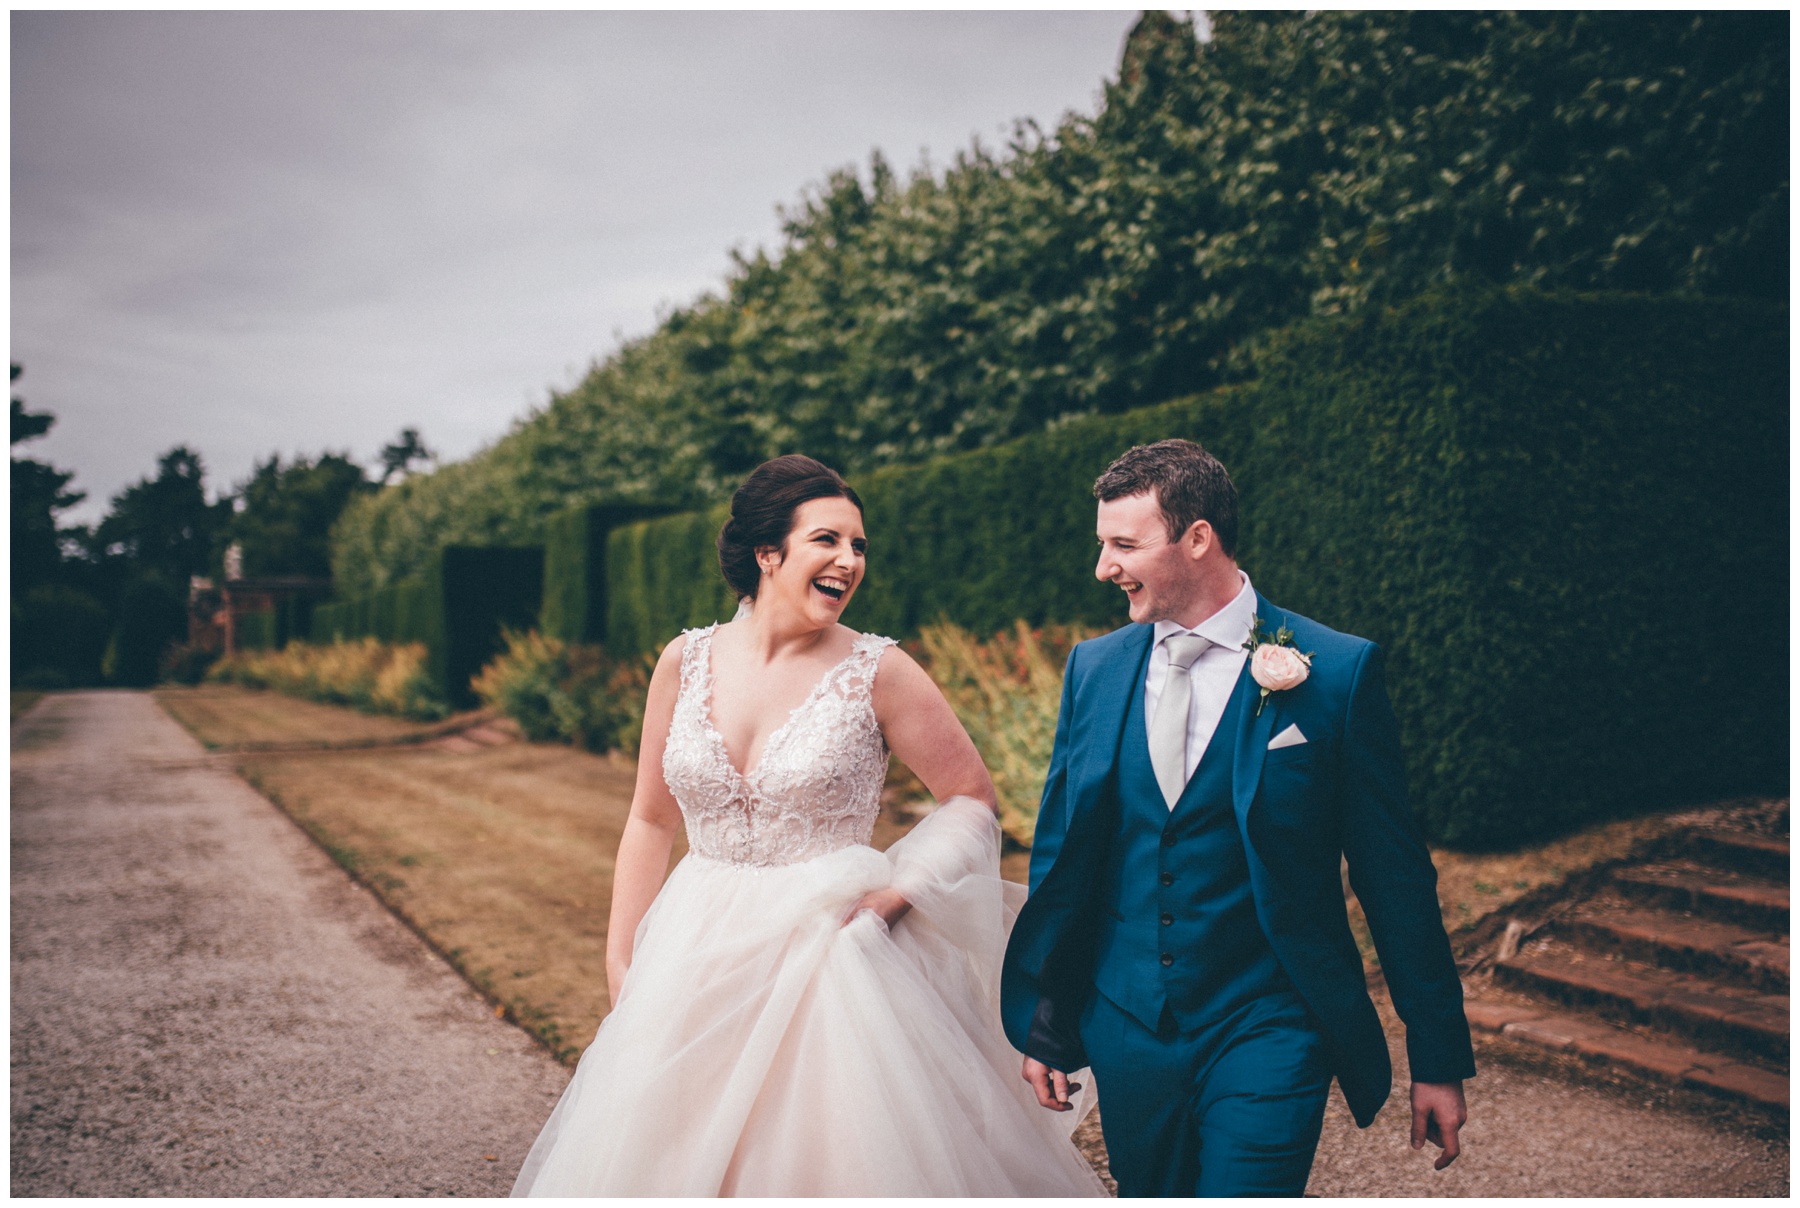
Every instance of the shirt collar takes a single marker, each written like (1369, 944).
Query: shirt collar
(1229, 627)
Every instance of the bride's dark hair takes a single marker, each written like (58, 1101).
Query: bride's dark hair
(762, 513)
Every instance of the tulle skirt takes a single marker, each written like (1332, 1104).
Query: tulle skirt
(762, 1047)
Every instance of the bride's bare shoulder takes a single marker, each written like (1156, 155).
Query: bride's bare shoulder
(668, 663)
(899, 677)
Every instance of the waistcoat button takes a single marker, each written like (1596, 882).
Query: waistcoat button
(1168, 878)
(1168, 920)
(1168, 839)
(1168, 958)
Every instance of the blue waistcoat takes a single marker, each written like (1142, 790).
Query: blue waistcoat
(1182, 931)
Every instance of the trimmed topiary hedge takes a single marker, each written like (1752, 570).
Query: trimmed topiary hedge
(457, 606)
(1564, 518)
(662, 577)
(485, 589)
(575, 581)
(255, 630)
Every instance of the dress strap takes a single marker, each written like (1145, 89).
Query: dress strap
(856, 674)
(696, 663)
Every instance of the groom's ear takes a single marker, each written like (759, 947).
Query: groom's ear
(1199, 539)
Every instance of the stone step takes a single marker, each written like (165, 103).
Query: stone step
(1715, 893)
(1764, 855)
(1745, 1025)
(1757, 960)
(1650, 1058)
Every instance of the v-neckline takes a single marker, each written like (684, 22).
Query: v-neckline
(706, 707)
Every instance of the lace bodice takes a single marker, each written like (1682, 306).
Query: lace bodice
(817, 785)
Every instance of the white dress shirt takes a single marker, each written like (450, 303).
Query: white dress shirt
(1214, 674)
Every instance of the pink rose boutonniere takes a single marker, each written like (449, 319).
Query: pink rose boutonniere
(1275, 664)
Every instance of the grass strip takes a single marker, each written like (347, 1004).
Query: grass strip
(224, 716)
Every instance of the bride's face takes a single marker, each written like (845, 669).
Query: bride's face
(824, 562)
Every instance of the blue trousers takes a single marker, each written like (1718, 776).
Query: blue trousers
(1229, 1109)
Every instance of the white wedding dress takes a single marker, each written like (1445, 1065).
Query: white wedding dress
(760, 1047)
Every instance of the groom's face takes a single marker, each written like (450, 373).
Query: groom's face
(1161, 578)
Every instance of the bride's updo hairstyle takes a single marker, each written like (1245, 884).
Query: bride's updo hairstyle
(762, 514)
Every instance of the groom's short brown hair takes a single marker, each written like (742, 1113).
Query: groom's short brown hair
(1189, 482)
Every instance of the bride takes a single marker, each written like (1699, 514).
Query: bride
(794, 1012)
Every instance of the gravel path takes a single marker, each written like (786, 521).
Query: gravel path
(203, 1004)
(1546, 1132)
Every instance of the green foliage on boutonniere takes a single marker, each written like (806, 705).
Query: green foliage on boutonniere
(1276, 664)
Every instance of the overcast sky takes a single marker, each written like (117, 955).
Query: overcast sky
(261, 233)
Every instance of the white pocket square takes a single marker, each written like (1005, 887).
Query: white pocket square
(1290, 737)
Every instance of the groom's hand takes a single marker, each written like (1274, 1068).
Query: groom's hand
(1438, 1114)
(1052, 1086)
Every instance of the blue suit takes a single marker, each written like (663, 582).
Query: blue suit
(1116, 949)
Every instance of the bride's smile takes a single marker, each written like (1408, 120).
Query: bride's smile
(815, 576)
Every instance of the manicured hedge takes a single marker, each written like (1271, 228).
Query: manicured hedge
(485, 588)
(662, 577)
(575, 581)
(1564, 517)
(255, 630)
(456, 606)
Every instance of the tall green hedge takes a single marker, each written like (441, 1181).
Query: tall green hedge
(575, 581)
(1295, 163)
(484, 588)
(274, 627)
(255, 630)
(1563, 516)
(456, 607)
(662, 577)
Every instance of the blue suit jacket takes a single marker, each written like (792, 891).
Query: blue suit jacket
(1298, 808)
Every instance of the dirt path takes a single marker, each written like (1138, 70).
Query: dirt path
(203, 1004)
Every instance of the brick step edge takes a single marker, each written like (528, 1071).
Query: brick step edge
(1657, 1061)
(1688, 946)
(1760, 906)
(1762, 854)
(1757, 1029)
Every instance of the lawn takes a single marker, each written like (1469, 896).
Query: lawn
(229, 716)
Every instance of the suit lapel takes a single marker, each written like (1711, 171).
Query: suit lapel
(1254, 729)
(1108, 690)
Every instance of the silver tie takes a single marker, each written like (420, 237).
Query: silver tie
(1169, 728)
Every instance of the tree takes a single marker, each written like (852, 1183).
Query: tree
(160, 532)
(164, 524)
(58, 629)
(398, 457)
(284, 514)
(39, 492)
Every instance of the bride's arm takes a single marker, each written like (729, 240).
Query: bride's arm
(923, 732)
(649, 836)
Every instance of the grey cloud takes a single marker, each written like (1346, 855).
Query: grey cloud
(297, 231)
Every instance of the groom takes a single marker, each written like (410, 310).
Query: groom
(1186, 936)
